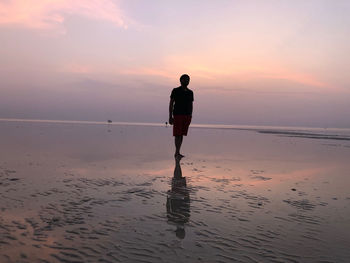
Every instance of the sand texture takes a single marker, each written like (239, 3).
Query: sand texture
(73, 192)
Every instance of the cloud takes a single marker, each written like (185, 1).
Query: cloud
(245, 70)
(50, 14)
(143, 71)
(226, 74)
(77, 68)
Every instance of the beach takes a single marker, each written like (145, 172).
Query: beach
(79, 192)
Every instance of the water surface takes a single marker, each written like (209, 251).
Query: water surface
(72, 192)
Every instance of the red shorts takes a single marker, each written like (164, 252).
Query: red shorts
(181, 124)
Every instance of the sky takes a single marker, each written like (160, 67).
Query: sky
(271, 62)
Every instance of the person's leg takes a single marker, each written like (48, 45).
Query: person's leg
(177, 132)
(178, 142)
(184, 123)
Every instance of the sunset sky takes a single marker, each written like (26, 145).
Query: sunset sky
(251, 62)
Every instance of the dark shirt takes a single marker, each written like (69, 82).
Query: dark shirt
(183, 101)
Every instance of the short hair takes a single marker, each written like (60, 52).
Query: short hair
(184, 78)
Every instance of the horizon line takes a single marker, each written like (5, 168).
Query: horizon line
(194, 125)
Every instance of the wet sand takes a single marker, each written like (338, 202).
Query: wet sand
(74, 192)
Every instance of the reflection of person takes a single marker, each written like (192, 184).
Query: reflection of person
(180, 111)
(178, 201)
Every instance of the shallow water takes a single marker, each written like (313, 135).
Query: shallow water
(72, 192)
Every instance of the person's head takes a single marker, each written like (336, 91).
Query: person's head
(184, 80)
(180, 232)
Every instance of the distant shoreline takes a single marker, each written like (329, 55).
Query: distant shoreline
(258, 128)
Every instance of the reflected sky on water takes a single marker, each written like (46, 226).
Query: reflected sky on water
(90, 192)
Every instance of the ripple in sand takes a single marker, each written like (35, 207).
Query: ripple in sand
(254, 201)
(302, 218)
(225, 180)
(261, 178)
(303, 204)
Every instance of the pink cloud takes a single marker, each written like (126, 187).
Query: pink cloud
(296, 77)
(247, 69)
(214, 72)
(50, 14)
(77, 68)
(149, 72)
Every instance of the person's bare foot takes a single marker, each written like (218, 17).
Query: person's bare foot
(178, 155)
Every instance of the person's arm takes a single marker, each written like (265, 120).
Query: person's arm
(171, 107)
(191, 108)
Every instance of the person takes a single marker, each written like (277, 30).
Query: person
(180, 112)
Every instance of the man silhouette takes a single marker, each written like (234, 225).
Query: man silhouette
(180, 112)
